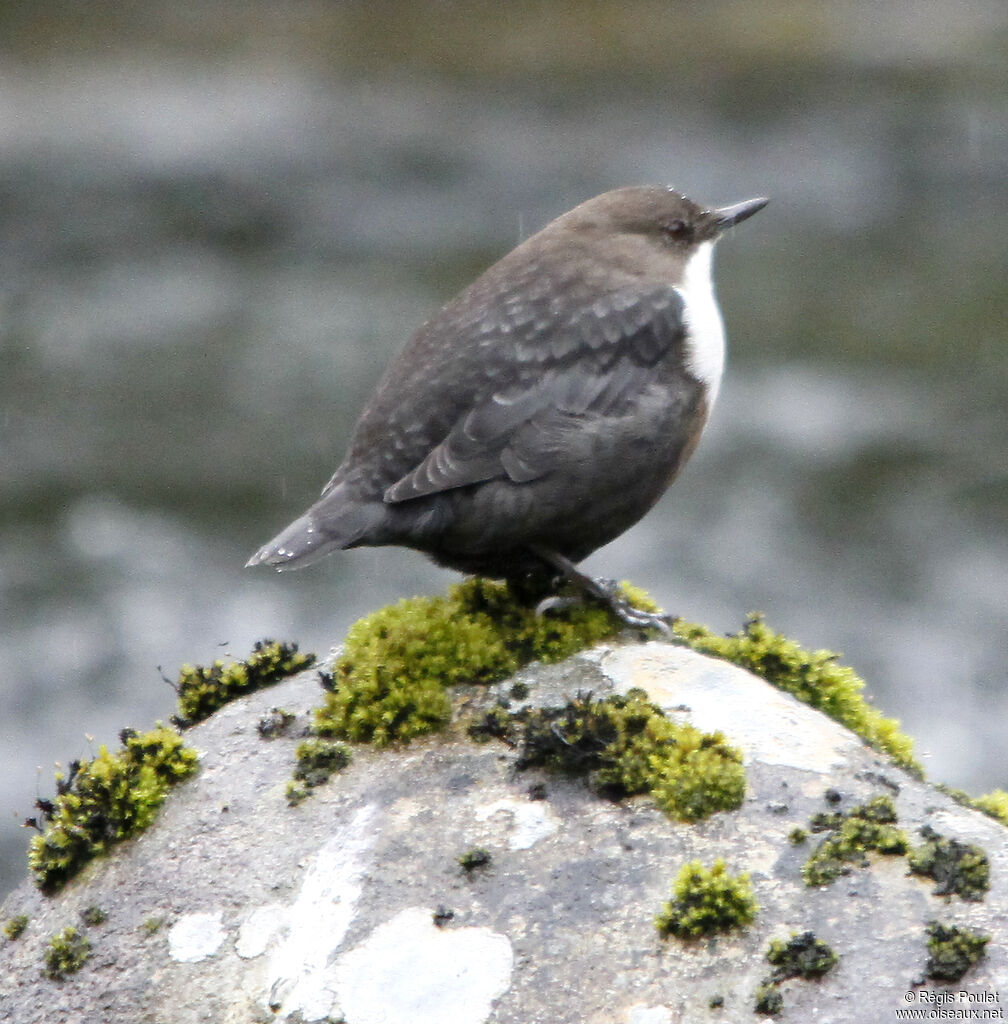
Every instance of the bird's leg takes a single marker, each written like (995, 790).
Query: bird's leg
(608, 592)
(530, 588)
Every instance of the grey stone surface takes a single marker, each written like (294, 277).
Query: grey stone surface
(325, 910)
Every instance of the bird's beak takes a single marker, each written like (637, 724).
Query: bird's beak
(727, 216)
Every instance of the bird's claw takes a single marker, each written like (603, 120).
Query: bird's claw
(609, 593)
(556, 603)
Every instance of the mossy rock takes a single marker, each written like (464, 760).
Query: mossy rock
(106, 800)
(392, 678)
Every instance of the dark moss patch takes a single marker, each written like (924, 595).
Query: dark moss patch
(317, 761)
(67, 953)
(707, 901)
(768, 999)
(814, 677)
(275, 723)
(953, 951)
(93, 916)
(101, 802)
(958, 868)
(872, 826)
(202, 690)
(797, 836)
(626, 745)
(823, 822)
(802, 956)
(879, 779)
(14, 926)
(475, 858)
(442, 915)
(390, 683)
(495, 724)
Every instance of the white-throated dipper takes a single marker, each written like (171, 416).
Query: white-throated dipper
(546, 408)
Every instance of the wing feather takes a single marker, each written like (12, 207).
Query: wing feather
(594, 363)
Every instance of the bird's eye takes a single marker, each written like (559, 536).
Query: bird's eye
(680, 230)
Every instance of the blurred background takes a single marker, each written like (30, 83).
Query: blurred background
(218, 221)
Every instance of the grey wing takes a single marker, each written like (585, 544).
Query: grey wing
(593, 364)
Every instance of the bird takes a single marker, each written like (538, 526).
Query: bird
(543, 410)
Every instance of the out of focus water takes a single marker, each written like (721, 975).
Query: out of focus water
(204, 267)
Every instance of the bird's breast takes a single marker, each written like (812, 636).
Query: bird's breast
(705, 338)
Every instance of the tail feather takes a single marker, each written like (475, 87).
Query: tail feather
(296, 546)
(333, 523)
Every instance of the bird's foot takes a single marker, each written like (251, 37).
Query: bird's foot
(610, 593)
(607, 592)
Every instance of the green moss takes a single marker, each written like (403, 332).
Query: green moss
(93, 916)
(959, 868)
(317, 760)
(797, 836)
(814, 677)
(475, 858)
(994, 804)
(67, 953)
(626, 745)
(296, 792)
(106, 800)
(706, 901)
(152, 925)
(802, 956)
(768, 999)
(872, 826)
(201, 691)
(15, 926)
(390, 683)
(638, 597)
(953, 951)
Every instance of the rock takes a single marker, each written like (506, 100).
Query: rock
(235, 906)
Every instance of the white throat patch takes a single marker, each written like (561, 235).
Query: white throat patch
(705, 338)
